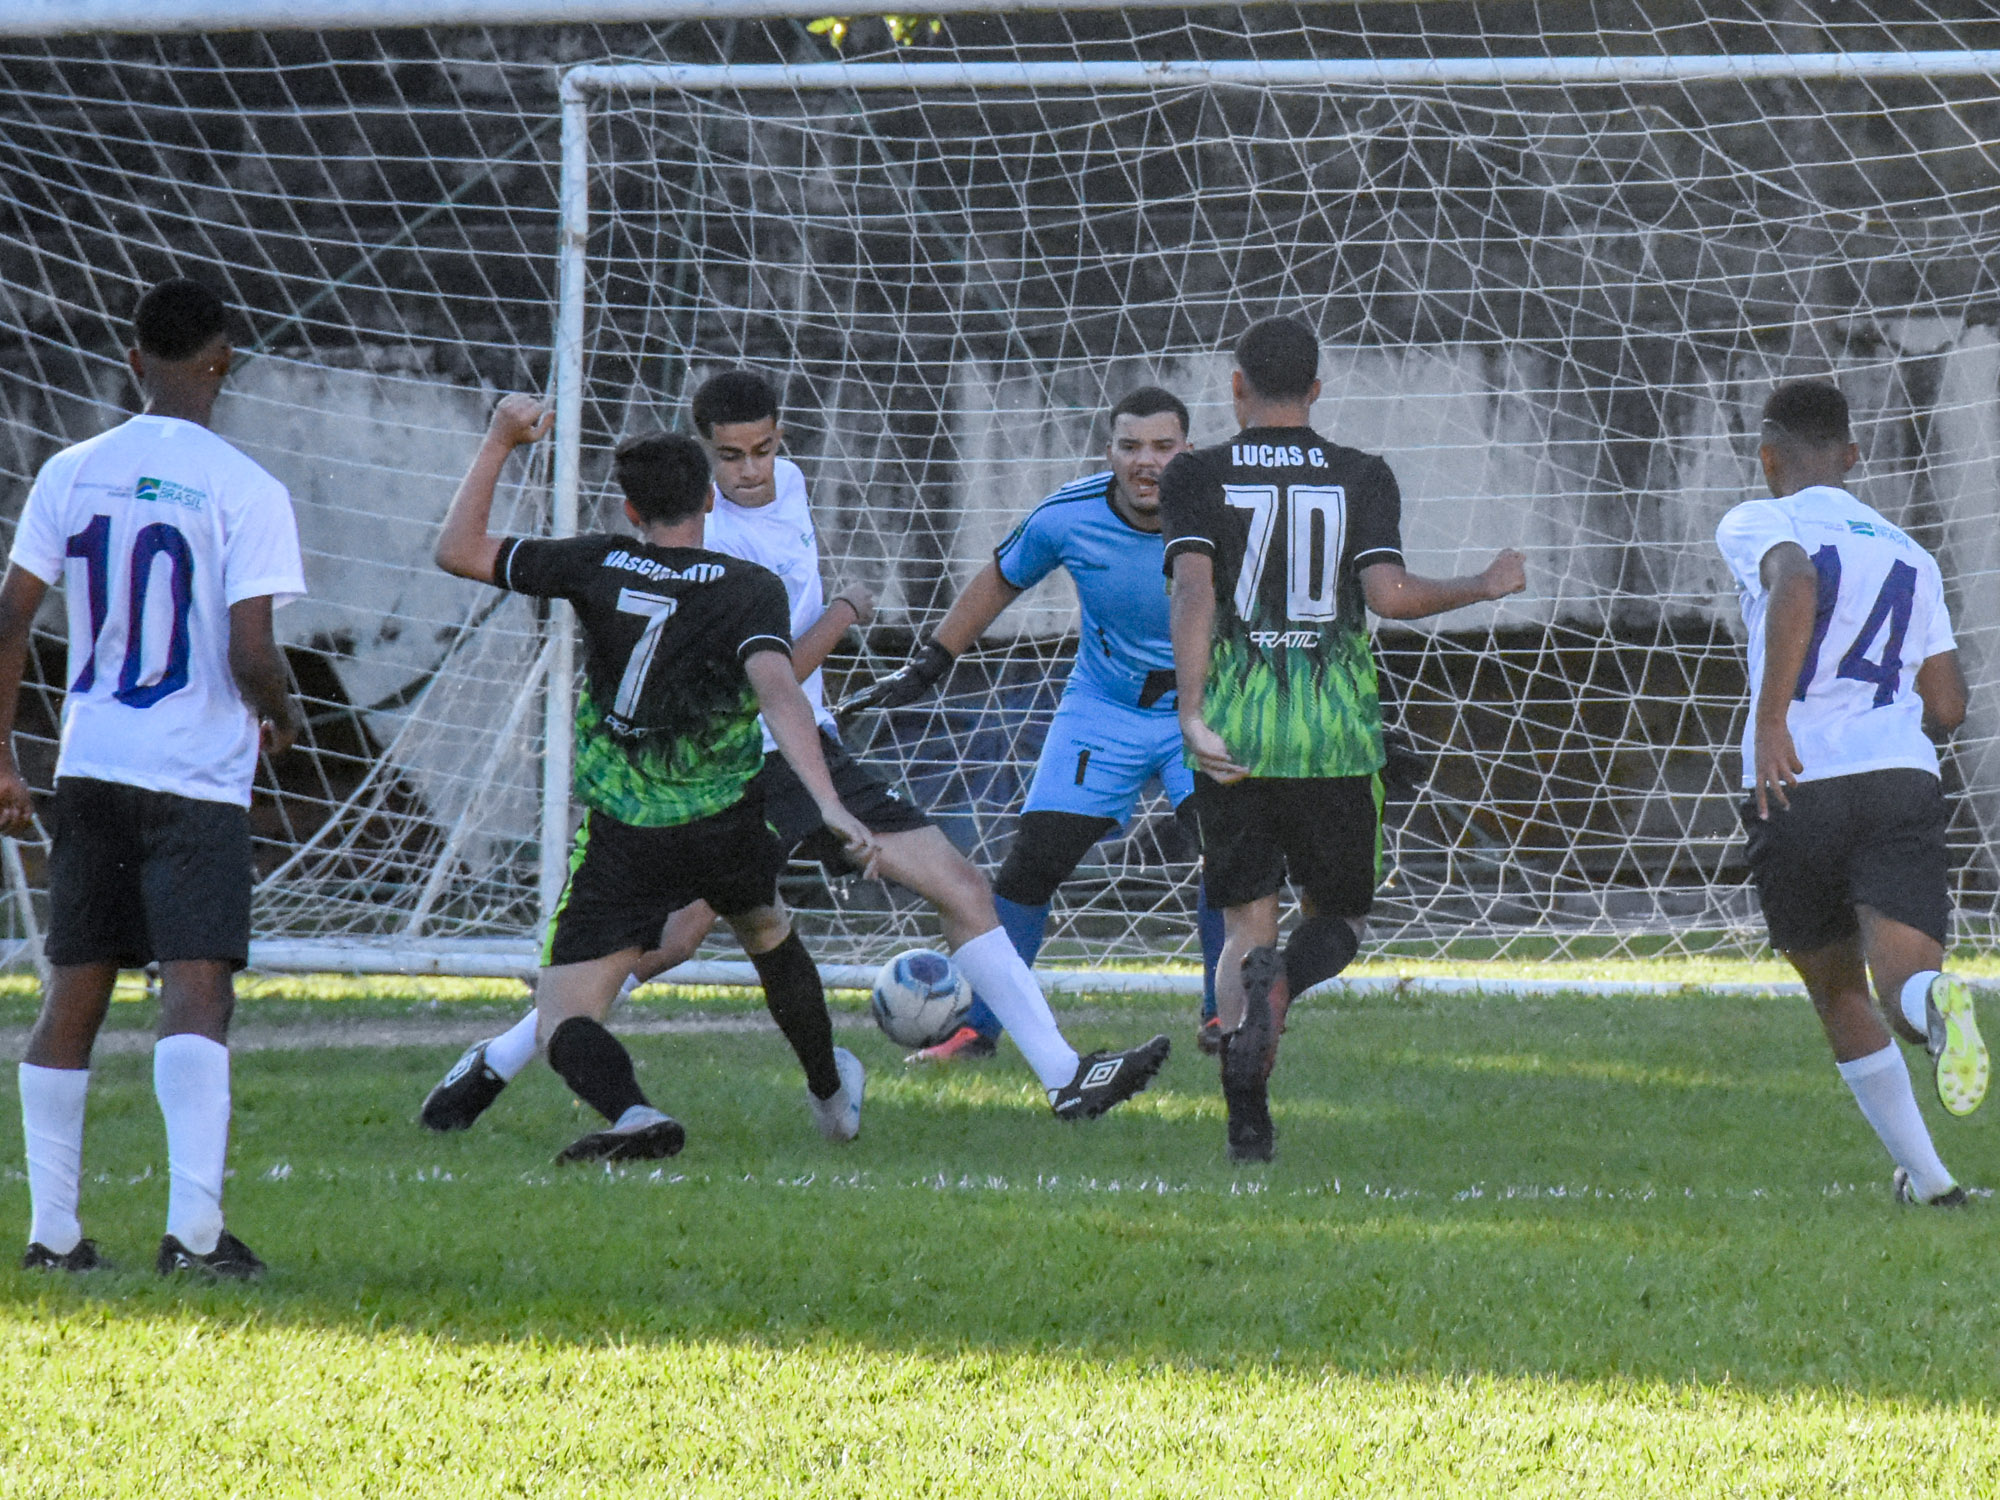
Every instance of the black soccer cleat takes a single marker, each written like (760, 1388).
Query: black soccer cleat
(1246, 1051)
(82, 1256)
(1954, 1196)
(1208, 1035)
(230, 1260)
(649, 1142)
(1105, 1080)
(463, 1094)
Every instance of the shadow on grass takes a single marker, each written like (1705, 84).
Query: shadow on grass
(1676, 1189)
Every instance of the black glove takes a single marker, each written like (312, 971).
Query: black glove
(925, 670)
(1408, 770)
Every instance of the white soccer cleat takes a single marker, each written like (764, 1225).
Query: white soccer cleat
(839, 1116)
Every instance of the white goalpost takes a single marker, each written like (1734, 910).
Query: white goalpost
(1553, 282)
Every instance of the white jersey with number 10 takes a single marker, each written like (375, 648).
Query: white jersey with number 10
(155, 529)
(1880, 615)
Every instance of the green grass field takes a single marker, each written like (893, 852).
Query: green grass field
(1562, 1246)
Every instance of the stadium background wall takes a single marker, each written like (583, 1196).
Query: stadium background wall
(384, 206)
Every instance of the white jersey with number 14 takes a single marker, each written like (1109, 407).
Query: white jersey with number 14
(155, 529)
(1880, 614)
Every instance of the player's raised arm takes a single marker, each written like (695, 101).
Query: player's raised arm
(790, 719)
(1394, 593)
(971, 612)
(465, 546)
(20, 597)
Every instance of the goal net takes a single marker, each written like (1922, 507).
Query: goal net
(1554, 277)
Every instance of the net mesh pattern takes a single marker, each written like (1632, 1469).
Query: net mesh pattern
(1557, 310)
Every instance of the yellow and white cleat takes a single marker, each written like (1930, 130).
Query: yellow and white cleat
(1954, 1044)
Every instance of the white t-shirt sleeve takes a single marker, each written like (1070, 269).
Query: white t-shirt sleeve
(1746, 534)
(260, 549)
(40, 547)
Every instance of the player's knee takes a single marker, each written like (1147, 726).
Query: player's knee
(1319, 949)
(1045, 854)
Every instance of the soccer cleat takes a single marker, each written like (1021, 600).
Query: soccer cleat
(1105, 1080)
(963, 1045)
(1954, 1043)
(1208, 1035)
(1906, 1192)
(1245, 1055)
(647, 1140)
(230, 1260)
(82, 1256)
(463, 1094)
(839, 1116)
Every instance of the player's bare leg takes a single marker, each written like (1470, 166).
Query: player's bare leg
(835, 1079)
(73, 1010)
(1926, 1006)
(1836, 978)
(924, 861)
(54, 1082)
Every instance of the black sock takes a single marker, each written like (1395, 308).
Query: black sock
(797, 1003)
(596, 1066)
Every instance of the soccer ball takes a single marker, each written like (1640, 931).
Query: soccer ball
(920, 998)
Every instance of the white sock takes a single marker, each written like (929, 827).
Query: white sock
(191, 1081)
(513, 1049)
(1881, 1085)
(1010, 992)
(1916, 1000)
(52, 1128)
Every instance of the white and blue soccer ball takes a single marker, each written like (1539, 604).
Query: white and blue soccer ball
(920, 998)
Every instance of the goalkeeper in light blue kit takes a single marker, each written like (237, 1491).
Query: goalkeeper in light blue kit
(1117, 726)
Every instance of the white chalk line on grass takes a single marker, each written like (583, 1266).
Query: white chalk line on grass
(1050, 1184)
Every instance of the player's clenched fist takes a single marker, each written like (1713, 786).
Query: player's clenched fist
(520, 419)
(1506, 574)
(17, 809)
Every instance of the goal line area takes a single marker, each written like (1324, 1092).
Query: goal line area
(1554, 275)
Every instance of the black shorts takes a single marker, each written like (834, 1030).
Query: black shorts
(1873, 839)
(624, 882)
(137, 876)
(791, 811)
(1325, 832)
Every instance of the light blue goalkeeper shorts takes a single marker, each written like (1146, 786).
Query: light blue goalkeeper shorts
(1099, 755)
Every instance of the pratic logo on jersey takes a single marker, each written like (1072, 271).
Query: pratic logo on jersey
(660, 572)
(1296, 639)
(1275, 456)
(166, 492)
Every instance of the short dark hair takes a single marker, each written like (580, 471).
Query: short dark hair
(178, 319)
(1807, 414)
(1280, 358)
(664, 475)
(1150, 401)
(732, 396)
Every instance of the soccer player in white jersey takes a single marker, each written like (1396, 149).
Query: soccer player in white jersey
(173, 550)
(761, 514)
(1851, 657)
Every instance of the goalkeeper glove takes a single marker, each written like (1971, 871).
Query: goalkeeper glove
(924, 671)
